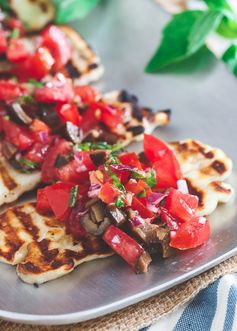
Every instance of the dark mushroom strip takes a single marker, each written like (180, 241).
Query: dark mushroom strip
(97, 211)
(116, 215)
(143, 263)
(155, 237)
(18, 114)
(98, 157)
(96, 229)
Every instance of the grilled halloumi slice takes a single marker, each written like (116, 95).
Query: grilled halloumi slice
(35, 14)
(40, 247)
(84, 67)
(137, 120)
(14, 183)
(205, 168)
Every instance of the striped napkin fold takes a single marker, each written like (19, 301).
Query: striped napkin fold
(148, 312)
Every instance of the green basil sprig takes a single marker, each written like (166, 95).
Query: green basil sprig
(185, 35)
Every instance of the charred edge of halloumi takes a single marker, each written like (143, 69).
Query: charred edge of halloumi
(205, 168)
(42, 265)
(85, 66)
(14, 183)
(20, 226)
(35, 14)
(137, 120)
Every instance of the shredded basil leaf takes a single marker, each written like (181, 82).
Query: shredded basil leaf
(35, 83)
(28, 163)
(100, 145)
(142, 194)
(119, 202)
(151, 178)
(15, 33)
(73, 196)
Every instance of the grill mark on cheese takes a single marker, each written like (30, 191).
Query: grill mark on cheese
(27, 222)
(7, 179)
(195, 191)
(12, 240)
(217, 186)
(218, 166)
(201, 149)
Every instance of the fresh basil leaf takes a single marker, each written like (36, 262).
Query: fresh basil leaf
(230, 58)
(218, 4)
(174, 43)
(205, 24)
(69, 10)
(4, 4)
(228, 27)
(73, 196)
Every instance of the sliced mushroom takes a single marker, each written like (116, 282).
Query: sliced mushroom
(156, 238)
(18, 114)
(143, 263)
(116, 215)
(97, 211)
(96, 229)
(98, 157)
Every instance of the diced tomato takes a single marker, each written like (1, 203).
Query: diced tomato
(130, 159)
(123, 245)
(73, 222)
(164, 162)
(1, 123)
(14, 23)
(108, 193)
(191, 234)
(87, 94)
(10, 90)
(68, 112)
(41, 131)
(77, 170)
(58, 198)
(37, 152)
(42, 203)
(17, 135)
(39, 64)
(60, 147)
(180, 205)
(58, 90)
(142, 210)
(137, 187)
(59, 45)
(17, 51)
(3, 42)
(90, 119)
(111, 116)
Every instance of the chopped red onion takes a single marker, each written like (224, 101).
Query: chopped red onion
(94, 190)
(129, 197)
(152, 208)
(121, 167)
(182, 186)
(78, 156)
(44, 136)
(155, 198)
(137, 220)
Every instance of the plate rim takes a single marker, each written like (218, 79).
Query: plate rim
(82, 316)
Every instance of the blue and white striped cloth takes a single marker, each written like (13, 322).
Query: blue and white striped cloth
(213, 309)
